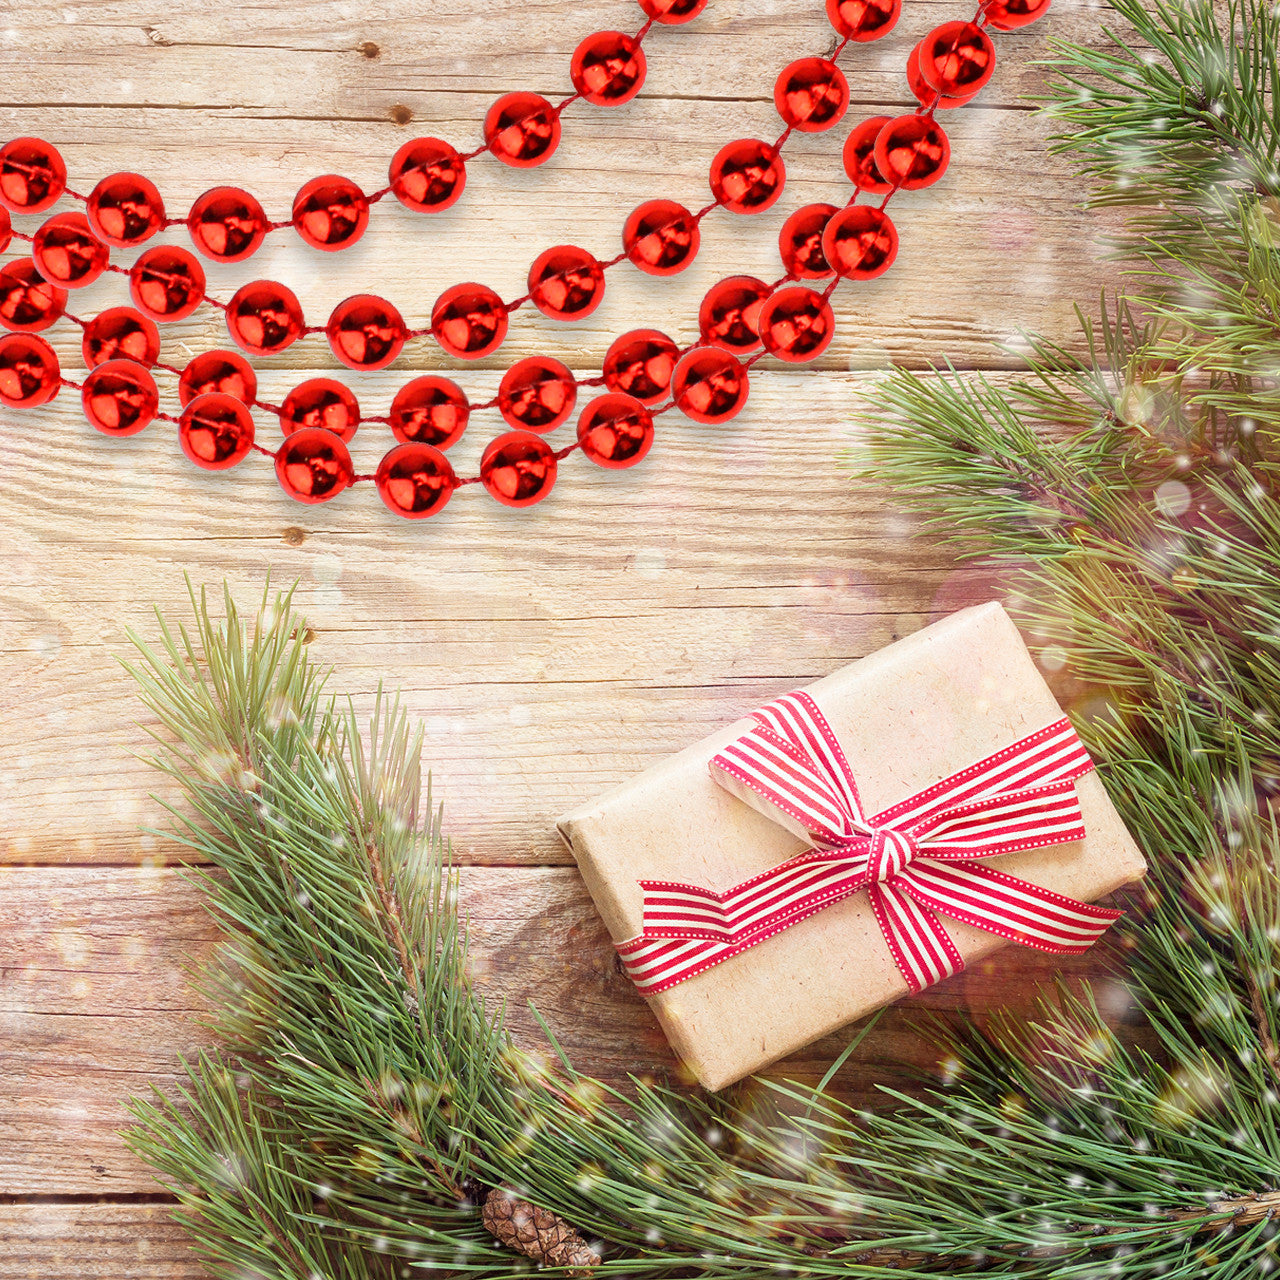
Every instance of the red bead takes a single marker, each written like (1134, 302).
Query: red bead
(660, 237)
(1006, 15)
(566, 283)
(427, 175)
(615, 431)
(227, 224)
(223, 371)
(730, 313)
(673, 12)
(518, 468)
(366, 332)
(125, 209)
(537, 394)
(957, 59)
(120, 333)
(709, 385)
(28, 302)
(747, 176)
(800, 242)
(32, 175)
(640, 363)
(522, 129)
(313, 465)
(215, 431)
(320, 402)
(415, 480)
(264, 317)
(6, 229)
(119, 397)
(608, 68)
(469, 321)
(926, 96)
(797, 324)
(429, 410)
(29, 371)
(811, 95)
(864, 20)
(330, 212)
(860, 242)
(67, 253)
(860, 156)
(167, 283)
(912, 152)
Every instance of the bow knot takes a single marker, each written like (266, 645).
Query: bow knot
(890, 853)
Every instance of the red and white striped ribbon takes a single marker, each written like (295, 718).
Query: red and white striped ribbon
(916, 859)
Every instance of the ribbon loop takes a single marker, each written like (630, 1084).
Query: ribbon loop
(891, 853)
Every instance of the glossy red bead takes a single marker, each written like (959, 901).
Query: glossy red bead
(29, 371)
(1007, 15)
(6, 229)
(730, 313)
(615, 431)
(415, 480)
(709, 385)
(67, 253)
(330, 212)
(912, 152)
(957, 59)
(227, 224)
(120, 333)
(28, 302)
(522, 129)
(747, 176)
(125, 209)
(32, 175)
(608, 68)
(811, 95)
(660, 237)
(537, 394)
(800, 242)
(797, 324)
(427, 175)
(673, 12)
(264, 317)
(223, 371)
(366, 332)
(863, 20)
(640, 363)
(320, 402)
(313, 465)
(469, 321)
(860, 242)
(518, 468)
(166, 283)
(566, 283)
(429, 410)
(120, 397)
(215, 431)
(926, 96)
(859, 156)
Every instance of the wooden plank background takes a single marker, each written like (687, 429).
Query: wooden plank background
(549, 652)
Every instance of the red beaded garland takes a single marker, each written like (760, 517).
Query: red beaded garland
(957, 59)
(859, 156)
(264, 317)
(66, 251)
(640, 363)
(518, 468)
(811, 95)
(366, 332)
(215, 431)
(330, 212)
(860, 242)
(673, 12)
(747, 176)
(227, 224)
(608, 68)
(29, 371)
(537, 393)
(28, 302)
(797, 324)
(125, 209)
(522, 129)
(6, 229)
(32, 175)
(313, 465)
(1007, 15)
(224, 371)
(427, 175)
(800, 242)
(320, 402)
(120, 333)
(566, 283)
(912, 151)
(660, 237)
(119, 397)
(709, 385)
(415, 480)
(429, 410)
(167, 283)
(864, 20)
(730, 313)
(926, 96)
(615, 431)
(469, 321)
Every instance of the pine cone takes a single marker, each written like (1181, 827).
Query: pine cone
(537, 1233)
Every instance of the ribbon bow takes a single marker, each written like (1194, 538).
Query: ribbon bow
(916, 860)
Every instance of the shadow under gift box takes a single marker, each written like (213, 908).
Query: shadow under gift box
(906, 716)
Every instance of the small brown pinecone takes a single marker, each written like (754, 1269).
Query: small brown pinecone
(537, 1233)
